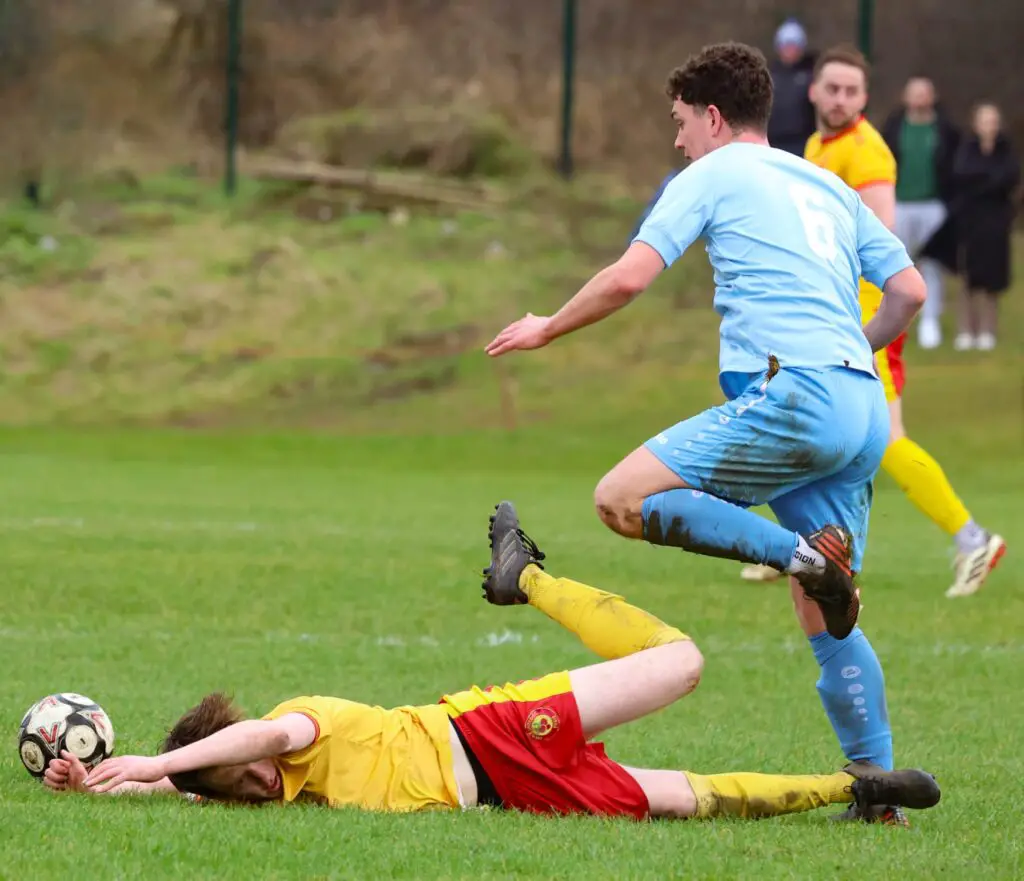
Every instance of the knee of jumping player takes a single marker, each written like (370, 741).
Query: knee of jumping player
(619, 509)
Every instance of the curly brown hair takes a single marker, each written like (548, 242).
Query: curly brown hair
(731, 76)
(213, 713)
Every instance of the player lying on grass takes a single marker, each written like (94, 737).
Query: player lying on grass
(524, 746)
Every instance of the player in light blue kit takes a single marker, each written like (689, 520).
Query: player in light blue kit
(806, 422)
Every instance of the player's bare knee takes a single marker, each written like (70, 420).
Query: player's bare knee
(606, 500)
(608, 514)
(687, 664)
(617, 510)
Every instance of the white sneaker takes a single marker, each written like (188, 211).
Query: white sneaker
(929, 333)
(964, 342)
(760, 573)
(972, 569)
(986, 342)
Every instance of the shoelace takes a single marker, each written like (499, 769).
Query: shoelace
(530, 545)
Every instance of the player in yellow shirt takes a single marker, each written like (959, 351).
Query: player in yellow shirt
(849, 146)
(524, 746)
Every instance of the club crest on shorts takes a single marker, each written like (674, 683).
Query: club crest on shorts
(541, 722)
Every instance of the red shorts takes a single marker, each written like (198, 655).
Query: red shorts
(529, 740)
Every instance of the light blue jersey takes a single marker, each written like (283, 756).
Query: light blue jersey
(788, 242)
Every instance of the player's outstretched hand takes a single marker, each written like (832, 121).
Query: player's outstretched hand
(124, 769)
(66, 774)
(526, 333)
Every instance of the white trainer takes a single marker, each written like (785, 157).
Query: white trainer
(760, 572)
(972, 569)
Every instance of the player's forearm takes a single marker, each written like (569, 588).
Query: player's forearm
(903, 296)
(129, 787)
(247, 741)
(605, 293)
(888, 323)
(135, 788)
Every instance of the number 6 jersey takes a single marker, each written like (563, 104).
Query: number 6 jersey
(788, 243)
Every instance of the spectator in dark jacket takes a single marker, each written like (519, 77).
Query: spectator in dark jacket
(792, 118)
(986, 172)
(924, 143)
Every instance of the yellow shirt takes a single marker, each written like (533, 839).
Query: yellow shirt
(369, 757)
(860, 157)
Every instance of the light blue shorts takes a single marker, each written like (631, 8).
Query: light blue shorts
(805, 442)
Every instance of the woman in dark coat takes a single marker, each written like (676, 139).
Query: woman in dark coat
(985, 174)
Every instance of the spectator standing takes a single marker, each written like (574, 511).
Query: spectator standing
(792, 117)
(924, 142)
(986, 172)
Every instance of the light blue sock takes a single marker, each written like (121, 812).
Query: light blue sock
(852, 690)
(704, 524)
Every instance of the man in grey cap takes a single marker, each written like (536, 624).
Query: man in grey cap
(792, 119)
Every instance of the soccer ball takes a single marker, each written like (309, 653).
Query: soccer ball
(64, 721)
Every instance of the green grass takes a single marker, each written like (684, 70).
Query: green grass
(158, 301)
(161, 302)
(147, 568)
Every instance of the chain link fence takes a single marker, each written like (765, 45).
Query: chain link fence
(87, 87)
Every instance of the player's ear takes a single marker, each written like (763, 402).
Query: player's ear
(715, 118)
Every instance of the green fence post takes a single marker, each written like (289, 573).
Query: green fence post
(231, 104)
(568, 88)
(865, 26)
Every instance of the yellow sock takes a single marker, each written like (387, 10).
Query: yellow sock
(767, 795)
(605, 623)
(925, 484)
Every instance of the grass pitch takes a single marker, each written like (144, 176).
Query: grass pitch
(147, 569)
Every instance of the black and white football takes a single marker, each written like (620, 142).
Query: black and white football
(64, 721)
